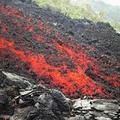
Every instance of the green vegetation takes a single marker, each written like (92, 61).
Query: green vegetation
(77, 12)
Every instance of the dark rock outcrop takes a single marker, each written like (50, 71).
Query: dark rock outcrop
(41, 103)
(37, 102)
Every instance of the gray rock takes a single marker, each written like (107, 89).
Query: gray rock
(78, 117)
(105, 105)
(5, 106)
(40, 103)
(61, 100)
(46, 100)
(98, 109)
(102, 118)
(88, 116)
(82, 104)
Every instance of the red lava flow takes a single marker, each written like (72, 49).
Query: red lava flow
(72, 82)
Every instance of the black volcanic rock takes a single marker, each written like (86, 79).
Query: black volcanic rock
(51, 104)
(3, 99)
(5, 105)
(38, 102)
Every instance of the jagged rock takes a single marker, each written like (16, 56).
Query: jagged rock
(102, 118)
(88, 116)
(41, 114)
(3, 99)
(77, 117)
(17, 80)
(6, 107)
(82, 104)
(55, 102)
(36, 102)
(44, 109)
(45, 100)
(98, 109)
(12, 91)
(41, 103)
(61, 100)
(103, 105)
(2, 77)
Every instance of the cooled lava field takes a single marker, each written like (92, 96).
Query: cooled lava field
(78, 57)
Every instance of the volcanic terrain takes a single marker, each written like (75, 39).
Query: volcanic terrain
(78, 57)
(53, 67)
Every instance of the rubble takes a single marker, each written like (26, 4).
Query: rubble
(41, 103)
(96, 109)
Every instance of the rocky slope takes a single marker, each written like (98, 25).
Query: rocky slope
(42, 50)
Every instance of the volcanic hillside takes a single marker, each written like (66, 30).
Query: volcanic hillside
(78, 57)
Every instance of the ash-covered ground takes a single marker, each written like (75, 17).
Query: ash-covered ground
(78, 57)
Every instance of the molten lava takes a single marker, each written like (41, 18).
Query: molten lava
(29, 44)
